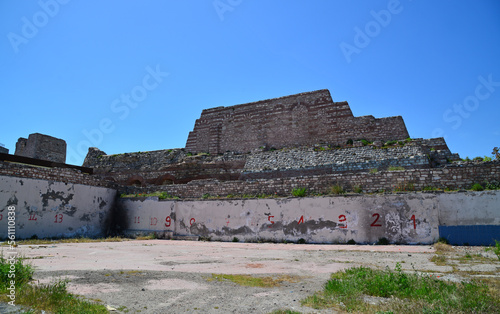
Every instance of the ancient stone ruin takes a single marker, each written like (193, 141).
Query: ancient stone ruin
(291, 121)
(239, 170)
(40, 146)
(305, 135)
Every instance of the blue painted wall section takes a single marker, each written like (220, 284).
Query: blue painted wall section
(471, 235)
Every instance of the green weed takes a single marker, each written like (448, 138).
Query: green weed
(401, 293)
(299, 192)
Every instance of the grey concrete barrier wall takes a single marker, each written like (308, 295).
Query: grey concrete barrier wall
(53, 209)
(469, 208)
(401, 218)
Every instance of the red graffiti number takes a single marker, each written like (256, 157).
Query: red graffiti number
(154, 221)
(33, 217)
(271, 221)
(1, 217)
(343, 218)
(414, 221)
(374, 223)
(192, 221)
(301, 220)
(59, 218)
(168, 221)
(137, 219)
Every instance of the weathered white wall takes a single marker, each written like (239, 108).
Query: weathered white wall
(469, 208)
(53, 209)
(401, 218)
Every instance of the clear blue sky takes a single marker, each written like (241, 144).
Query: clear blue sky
(135, 75)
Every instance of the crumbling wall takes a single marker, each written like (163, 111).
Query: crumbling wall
(454, 176)
(349, 159)
(40, 146)
(65, 175)
(290, 121)
(45, 208)
(163, 166)
(410, 218)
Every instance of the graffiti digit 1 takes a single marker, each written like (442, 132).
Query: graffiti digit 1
(343, 218)
(168, 221)
(301, 220)
(33, 217)
(137, 219)
(414, 221)
(153, 222)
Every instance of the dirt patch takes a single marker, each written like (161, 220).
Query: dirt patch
(165, 276)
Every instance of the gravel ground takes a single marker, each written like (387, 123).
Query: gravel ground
(162, 276)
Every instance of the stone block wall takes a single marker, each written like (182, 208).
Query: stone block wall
(163, 166)
(64, 175)
(454, 176)
(350, 159)
(291, 121)
(40, 146)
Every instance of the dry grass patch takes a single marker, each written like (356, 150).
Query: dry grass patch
(443, 248)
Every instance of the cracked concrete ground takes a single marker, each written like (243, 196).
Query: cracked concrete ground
(165, 276)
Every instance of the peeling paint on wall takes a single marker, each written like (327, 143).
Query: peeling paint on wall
(53, 209)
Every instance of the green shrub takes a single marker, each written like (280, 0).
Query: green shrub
(393, 168)
(403, 293)
(430, 188)
(477, 187)
(382, 241)
(351, 241)
(486, 158)
(357, 189)
(337, 189)
(299, 192)
(373, 171)
(365, 142)
(301, 241)
(478, 158)
(390, 143)
(443, 240)
(349, 142)
(205, 196)
(493, 185)
(235, 239)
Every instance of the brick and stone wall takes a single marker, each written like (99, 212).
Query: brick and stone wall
(350, 159)
(454, 176)
(164, 166)
(65, 175)
(296, 120)
(40, 146)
